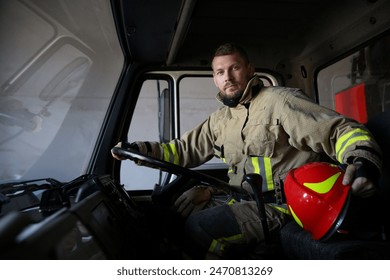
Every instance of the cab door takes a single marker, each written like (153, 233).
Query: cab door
(169, 104)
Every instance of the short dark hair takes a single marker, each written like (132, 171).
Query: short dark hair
(230, 48)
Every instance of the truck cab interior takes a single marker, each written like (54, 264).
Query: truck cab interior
(79, 76)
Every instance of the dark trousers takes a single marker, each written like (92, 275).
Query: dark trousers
(214, 231)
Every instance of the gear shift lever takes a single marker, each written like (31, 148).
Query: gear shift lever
(255, 181)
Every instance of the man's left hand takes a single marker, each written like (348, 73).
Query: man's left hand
(360, 186)
(193, 200)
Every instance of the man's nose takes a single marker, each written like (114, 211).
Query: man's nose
(228, 76)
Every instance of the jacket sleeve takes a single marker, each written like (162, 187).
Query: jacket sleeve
(311, 126)
(194, 148)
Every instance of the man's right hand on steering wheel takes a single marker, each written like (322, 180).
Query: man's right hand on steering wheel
(135, 146)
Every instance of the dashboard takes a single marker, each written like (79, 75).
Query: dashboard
(91, 217)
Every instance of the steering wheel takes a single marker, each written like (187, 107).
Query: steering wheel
(152, 162)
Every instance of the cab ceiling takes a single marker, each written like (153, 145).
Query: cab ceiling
(186, 32)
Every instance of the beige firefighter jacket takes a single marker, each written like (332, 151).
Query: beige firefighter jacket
(271, 131)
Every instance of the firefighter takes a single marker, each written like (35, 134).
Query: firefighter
(262, 130)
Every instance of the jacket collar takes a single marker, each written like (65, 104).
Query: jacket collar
(251, 90)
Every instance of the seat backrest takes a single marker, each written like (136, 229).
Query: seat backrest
(380, 128)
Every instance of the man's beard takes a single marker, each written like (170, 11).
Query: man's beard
(232, 100)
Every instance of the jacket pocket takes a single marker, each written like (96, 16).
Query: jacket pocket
(261, 139)
(260, 149)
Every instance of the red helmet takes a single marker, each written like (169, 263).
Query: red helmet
(316, 198)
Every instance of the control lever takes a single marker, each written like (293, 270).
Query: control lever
(256, 181)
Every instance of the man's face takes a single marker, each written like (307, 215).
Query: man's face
(231, 74)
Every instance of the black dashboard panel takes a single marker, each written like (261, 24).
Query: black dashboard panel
(97, 221)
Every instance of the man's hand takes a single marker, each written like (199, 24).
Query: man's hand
(124, 145)
(119, 145)
(360, 186)
(193, 200)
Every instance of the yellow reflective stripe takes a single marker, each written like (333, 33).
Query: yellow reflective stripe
(233, 237)
(280, 208)
(268, 173)
(170, 153)
(349, 143)
(349, 139)
(255, 164)
(175, 154)
(167, 154)
(219, 245)
(262, 166)
(231, 201)
(214, 245)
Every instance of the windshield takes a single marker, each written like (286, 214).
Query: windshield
(59, 65)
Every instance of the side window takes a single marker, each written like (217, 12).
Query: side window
(55, 86)
(197, 102)
(358, 86)
(144, 126)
